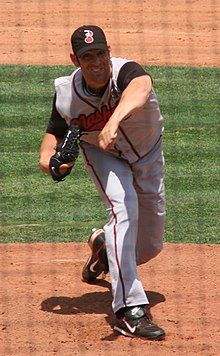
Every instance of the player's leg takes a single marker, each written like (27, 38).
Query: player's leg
(149, 184)
(114, 180)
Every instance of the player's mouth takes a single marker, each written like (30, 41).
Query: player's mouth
(97, 70)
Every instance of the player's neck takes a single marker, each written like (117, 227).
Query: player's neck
(94, 91)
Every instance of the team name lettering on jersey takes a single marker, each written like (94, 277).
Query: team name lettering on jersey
(96, 120)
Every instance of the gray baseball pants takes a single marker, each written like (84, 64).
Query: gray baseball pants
(135, 201)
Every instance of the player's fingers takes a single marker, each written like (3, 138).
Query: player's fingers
(107, 142)
(65, 166)
(44, 167)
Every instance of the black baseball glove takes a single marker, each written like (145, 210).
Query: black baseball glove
(67, 151)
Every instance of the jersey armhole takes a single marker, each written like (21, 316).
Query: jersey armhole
(129, 71)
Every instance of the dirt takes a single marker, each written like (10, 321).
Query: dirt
(173, 32)
(45, 308)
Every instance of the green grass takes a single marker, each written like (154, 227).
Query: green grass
(34, 208)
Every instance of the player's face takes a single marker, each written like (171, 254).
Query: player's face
(95, 66)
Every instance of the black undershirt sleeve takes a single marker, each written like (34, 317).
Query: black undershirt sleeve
(57, 125)
(129, 71)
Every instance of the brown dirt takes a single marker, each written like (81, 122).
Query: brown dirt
(45, 308)
(172, 32)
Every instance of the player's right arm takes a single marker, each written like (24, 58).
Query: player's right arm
(136, 85)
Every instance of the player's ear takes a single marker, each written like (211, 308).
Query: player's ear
(109, 51)
(74, 59)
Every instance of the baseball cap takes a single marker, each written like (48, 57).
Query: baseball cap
(88, 37)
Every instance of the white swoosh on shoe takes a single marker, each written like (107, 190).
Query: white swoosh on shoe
(132, 329)
(135, 310)
(93, 265)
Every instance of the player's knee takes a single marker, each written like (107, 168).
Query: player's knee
(128, 212)
(148, 254)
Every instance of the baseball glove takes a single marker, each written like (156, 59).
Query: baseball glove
(67, 151)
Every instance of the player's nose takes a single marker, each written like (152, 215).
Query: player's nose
(97, 60)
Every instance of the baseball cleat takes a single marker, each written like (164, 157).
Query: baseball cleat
(98, 262)
(136, 323)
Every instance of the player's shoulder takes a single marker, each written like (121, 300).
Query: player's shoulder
(125, 66)
(119, 61)
(66, 79)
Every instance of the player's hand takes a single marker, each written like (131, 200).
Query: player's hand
(44, 166)
(67, 151)
(108, 135)
(64, 167)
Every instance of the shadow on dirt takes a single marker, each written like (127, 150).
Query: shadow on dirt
(90, 303)
(94, 303)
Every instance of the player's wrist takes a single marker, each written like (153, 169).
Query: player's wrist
(115, 120)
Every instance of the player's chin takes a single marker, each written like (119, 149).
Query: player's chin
(101, 78)
(101, 82)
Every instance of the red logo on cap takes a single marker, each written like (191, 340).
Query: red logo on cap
(89, 36)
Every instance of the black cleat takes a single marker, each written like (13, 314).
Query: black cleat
(136, 323)
(98, 261)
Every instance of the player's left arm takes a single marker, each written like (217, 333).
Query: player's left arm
(133, 99)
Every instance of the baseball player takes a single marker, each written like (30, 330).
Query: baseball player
(110, 106)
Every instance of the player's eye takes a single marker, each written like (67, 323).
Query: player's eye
(86, 57)
(102, 53)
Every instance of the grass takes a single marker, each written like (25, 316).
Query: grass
(35, 209)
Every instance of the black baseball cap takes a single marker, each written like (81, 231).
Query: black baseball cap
(88, 37)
